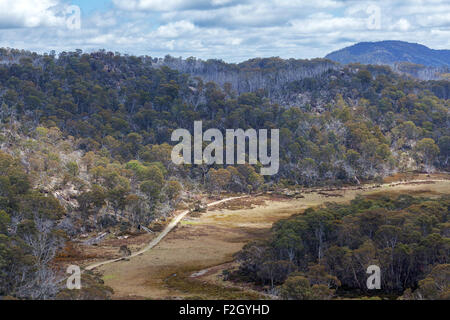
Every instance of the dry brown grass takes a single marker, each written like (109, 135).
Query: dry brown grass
(71, 253)
(212, 239)
(414, 176)
(196, 288)
(239, 204)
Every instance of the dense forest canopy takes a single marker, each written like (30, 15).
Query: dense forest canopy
(325, 252)
(28, 237)
(362, 121)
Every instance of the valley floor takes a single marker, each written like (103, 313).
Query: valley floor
(189, 261)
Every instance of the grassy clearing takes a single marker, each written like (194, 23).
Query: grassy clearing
(206, 290)
(212, 239)
(109, 277)
(189, 223)
(240, 204)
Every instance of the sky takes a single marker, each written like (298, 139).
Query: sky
(231, 30)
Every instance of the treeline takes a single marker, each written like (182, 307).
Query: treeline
(34, 231)
(269, 74)
(97, 191)
(325, 252)
(29, 235)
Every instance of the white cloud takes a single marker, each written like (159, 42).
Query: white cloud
(29, 13)
(402, 25)
(157, 5)
(102, 20)
(327, 23)
(175, 29)
(435, 19)
(167, 5)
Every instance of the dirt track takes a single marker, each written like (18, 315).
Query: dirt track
(211, 240)
(161, 236)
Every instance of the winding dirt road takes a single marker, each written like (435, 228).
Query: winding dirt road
(161, 236)
(190, 260)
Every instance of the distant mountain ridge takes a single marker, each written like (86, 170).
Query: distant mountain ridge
(391, 52)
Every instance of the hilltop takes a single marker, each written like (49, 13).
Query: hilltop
(391, 52)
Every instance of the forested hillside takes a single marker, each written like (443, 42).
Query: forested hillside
(390, 52)
(412, 59)
(34, 227)
(270, 75)
(85, 138)
(355, 121)
(325, 252)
